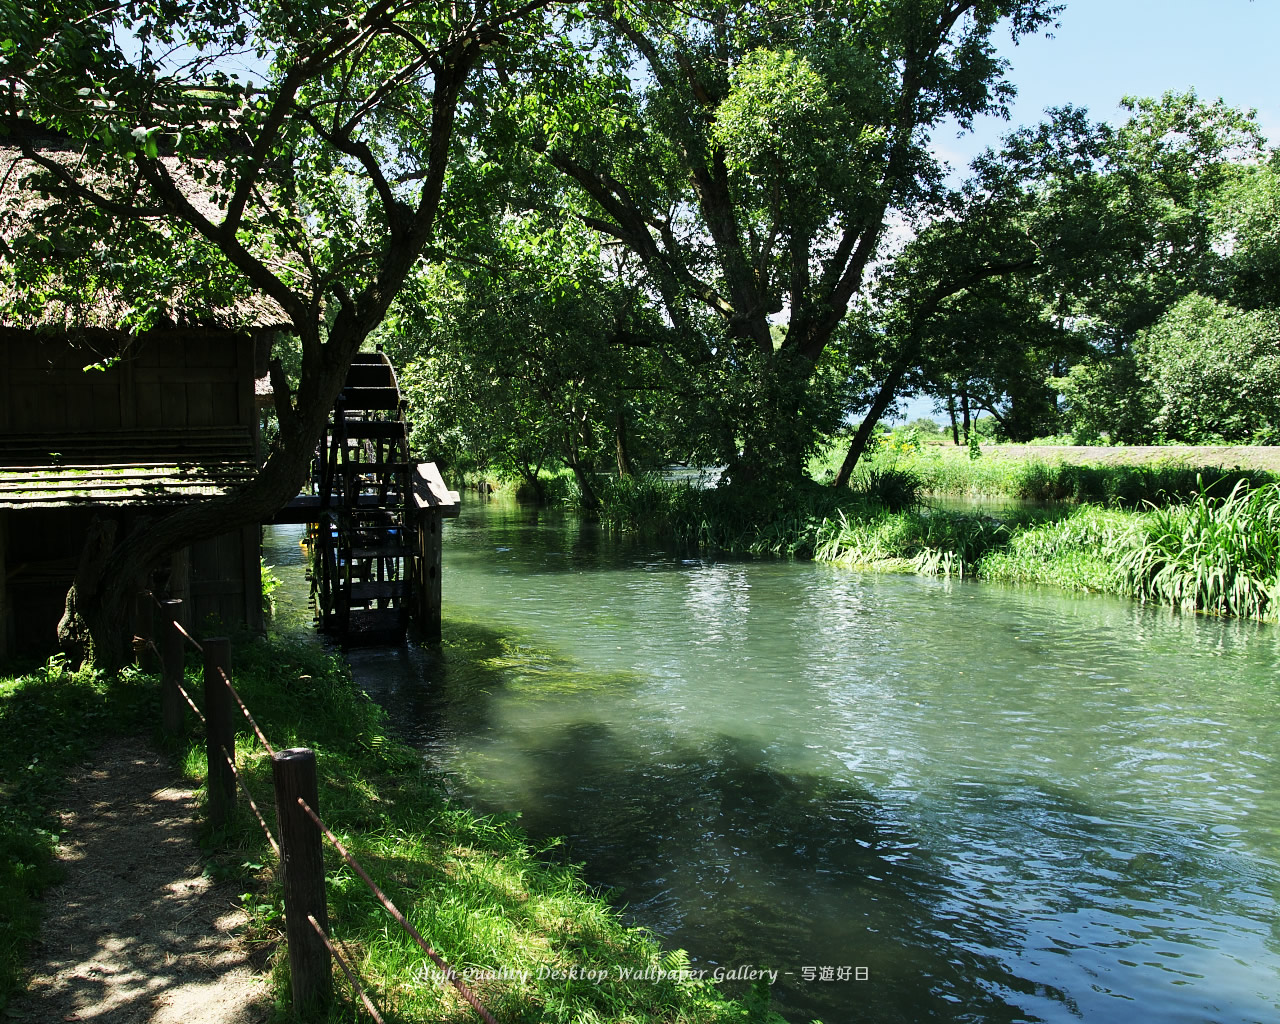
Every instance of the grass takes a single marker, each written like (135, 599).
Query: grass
(1213, 553)
(1202, 544)
(945, 470)
(1218, 554)
(538, 943)
(750, 520)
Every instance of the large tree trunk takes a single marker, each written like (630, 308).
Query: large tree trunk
(76, 635)
(884, 398)
(625, 467)
(590, 501)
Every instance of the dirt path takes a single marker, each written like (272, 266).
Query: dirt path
(136, 933)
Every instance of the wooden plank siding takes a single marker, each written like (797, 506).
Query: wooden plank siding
(223, 591)
(176, 399)
(166, 382)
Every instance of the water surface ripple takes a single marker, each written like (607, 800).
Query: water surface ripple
(1004, 804)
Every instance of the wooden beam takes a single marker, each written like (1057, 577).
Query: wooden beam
(430, 493)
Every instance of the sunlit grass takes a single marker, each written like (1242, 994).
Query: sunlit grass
(945, 470)
(1216, 554)
(515, 918)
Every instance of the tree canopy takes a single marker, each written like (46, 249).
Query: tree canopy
(710, 231)
(318, 189)
(752, 156)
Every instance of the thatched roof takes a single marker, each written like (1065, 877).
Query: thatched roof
(23, 206)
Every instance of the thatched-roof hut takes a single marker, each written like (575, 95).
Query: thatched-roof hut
(99, 421)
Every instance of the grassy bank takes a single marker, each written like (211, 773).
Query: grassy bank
(1215, 554)
(1216, 551)
(473, 886)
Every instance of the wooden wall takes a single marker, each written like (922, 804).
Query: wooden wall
(168, 380)
(6, 618)
(219, 580)
(225, 582)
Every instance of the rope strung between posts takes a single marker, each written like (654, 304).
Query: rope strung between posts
(244, 788)
(436, 958)
(187, 698)
(368, 1003)
(258, 732)
(194, 642)
(178, 626)
(439, 961)
(190, 703)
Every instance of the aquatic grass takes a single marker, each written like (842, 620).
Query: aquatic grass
(743, 519)
(928, 541)
(1214, 554)
(895, 488)
(1079, 551)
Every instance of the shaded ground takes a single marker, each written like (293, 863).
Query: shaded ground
(1265, 457)
(137, 933)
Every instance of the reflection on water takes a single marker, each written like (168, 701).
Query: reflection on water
(1005, 804)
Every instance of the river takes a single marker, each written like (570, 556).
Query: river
(917, 800)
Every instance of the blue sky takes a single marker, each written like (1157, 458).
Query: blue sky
(1106, 49)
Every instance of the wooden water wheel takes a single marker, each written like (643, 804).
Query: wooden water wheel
(364, 541)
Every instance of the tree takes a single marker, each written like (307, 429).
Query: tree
(751, 155)
(541, 354)
(319, 190)
(1121, 224)
(1213, 372)
(1246, 222)
(1170, 184)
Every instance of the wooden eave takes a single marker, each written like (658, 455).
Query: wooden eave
(124, 467)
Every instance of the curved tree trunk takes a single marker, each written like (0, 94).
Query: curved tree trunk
(884, 398)
(100, 601)
(625, 468)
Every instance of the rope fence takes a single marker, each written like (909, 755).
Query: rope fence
(355, 984)
(244, 788)
(300, 849)
(266, 744)
(403, 921)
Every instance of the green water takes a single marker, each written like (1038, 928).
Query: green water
(990, 804)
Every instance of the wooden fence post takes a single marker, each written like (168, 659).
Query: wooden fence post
(220, 730)
(302, 861)
(171, 663)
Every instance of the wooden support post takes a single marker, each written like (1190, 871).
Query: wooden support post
(173, 707)
(302, 861)
(430, 536)
(144, 629)
(220, 730)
